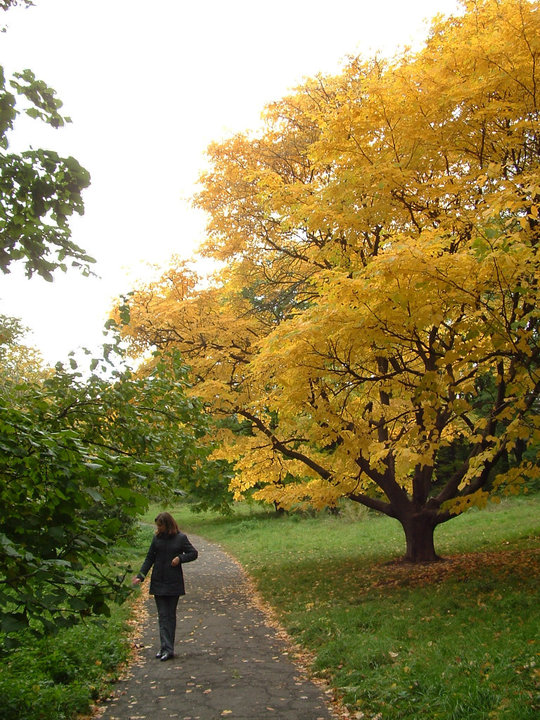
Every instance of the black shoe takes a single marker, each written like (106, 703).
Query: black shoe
(167, 656)
(159, 654)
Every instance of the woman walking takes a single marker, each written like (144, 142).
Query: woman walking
(169, 549)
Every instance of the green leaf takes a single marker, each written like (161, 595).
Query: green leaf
(14, 622)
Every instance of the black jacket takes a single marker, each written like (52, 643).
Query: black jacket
(166, 579)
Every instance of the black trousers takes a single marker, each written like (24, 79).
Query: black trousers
(166, 608)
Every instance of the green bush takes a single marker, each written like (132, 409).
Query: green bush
(54, 678)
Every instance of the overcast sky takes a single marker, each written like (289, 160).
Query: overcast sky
(149, 84)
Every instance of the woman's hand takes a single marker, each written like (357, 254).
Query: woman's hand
(136, 581)
(175, 561)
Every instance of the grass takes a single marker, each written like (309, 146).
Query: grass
(454, 640)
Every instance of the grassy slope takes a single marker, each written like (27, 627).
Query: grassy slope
(453, 640)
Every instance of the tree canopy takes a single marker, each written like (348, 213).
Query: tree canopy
(376, 320)
(81, 455)
(40, 190)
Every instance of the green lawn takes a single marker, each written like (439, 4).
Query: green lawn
(453, 640)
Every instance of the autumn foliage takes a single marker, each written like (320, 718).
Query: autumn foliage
(375, 323)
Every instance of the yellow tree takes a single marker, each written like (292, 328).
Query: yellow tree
(379, 300)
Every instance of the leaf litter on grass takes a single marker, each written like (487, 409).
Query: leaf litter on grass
(498, 566)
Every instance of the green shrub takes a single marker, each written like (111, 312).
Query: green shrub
(54, 678)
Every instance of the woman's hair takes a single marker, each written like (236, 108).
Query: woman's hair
(166, 524)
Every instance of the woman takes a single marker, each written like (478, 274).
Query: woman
(168, 550)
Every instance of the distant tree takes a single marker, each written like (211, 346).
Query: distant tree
(19, 362)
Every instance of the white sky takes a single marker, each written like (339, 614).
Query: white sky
(149, 84)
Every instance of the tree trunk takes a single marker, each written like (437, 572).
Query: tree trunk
(419, 529)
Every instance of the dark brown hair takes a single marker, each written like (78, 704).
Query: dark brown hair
(167, 525)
